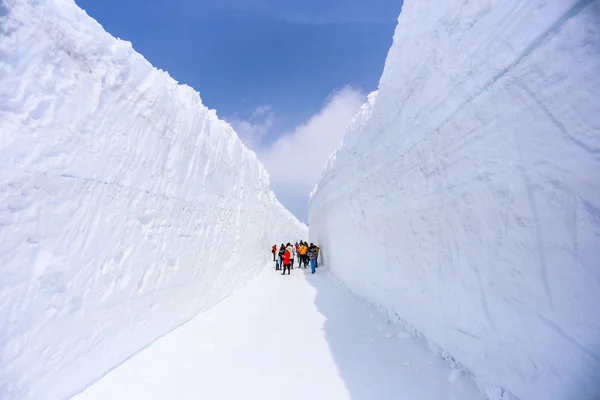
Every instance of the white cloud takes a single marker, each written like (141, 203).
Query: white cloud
(295, 159)
(261, 111)
(252, 131)
(298, 156)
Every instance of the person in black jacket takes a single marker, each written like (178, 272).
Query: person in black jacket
(312, 256)
(281, 254)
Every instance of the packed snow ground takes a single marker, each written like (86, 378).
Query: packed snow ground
(465, 197)
(126, 206)
(301, 337)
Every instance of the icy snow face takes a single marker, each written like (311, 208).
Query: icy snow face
(126, 206)
(466, 195)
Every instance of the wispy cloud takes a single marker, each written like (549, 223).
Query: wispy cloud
(261, 111)
(253, 130)
(295, 159)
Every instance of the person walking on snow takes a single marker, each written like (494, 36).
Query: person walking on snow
(274, 250)
(286, 262)
(312, 256)
(303, 249)
(290, 249)
(281, 253)
(317, 260)
(305, 255)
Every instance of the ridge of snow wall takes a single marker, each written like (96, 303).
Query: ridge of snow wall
(465, 197)
(126, 206)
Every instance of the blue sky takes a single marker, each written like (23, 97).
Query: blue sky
(269, 67)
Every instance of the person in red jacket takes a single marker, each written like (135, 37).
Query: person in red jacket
(274, 250)
(287, 260)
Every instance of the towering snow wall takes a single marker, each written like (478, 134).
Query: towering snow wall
(126, 206)
(465, 197)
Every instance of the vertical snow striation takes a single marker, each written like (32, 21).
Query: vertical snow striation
(465, 197)
(126, 206)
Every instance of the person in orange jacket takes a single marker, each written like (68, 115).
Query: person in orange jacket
(274, 250)
(303, 249)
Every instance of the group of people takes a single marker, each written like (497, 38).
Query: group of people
(286, 254)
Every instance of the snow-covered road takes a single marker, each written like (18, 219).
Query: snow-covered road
(295, 337)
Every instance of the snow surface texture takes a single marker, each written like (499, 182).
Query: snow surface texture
(126, 206)
(320, 342)
(465, 197)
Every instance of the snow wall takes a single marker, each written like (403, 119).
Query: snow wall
(465, 197)
(126, 206)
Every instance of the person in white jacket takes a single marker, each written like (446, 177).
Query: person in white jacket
(292, 251)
